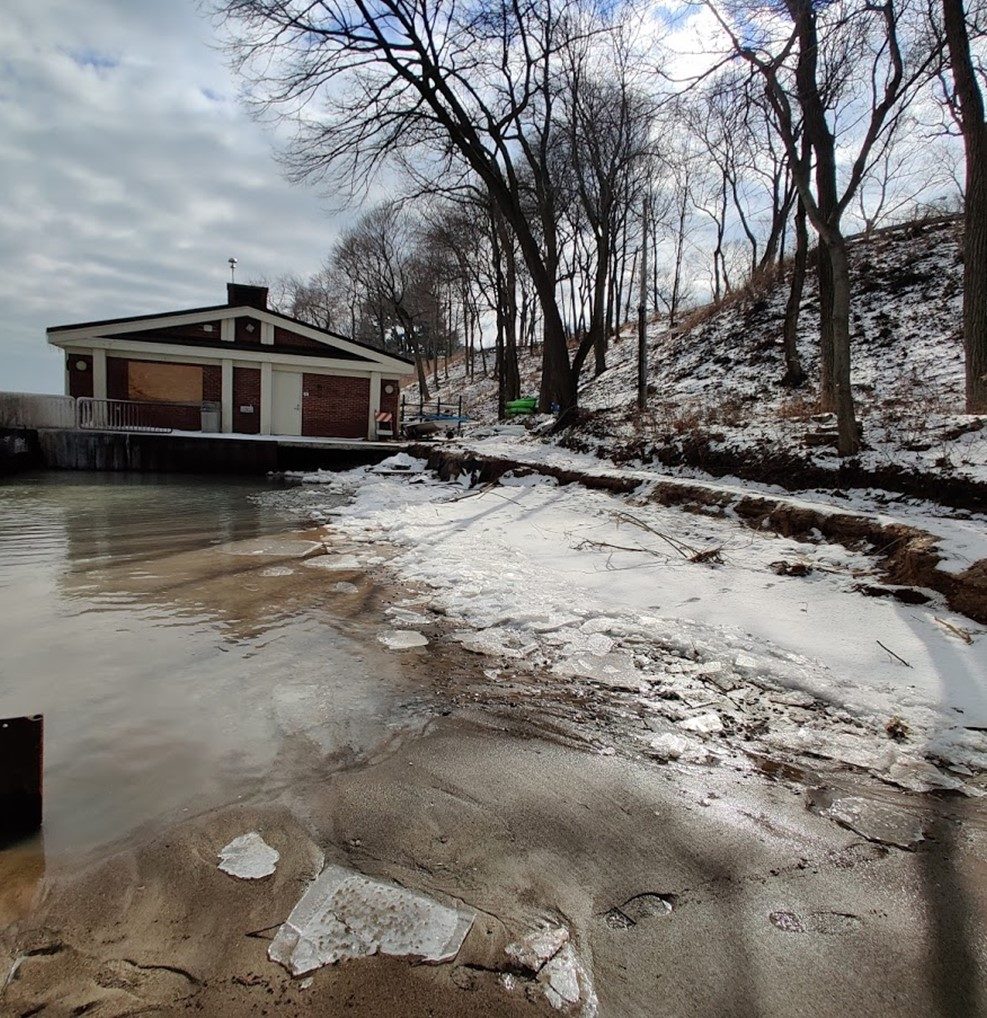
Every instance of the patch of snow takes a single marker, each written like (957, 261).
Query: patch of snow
(525, 572)
(400, 462)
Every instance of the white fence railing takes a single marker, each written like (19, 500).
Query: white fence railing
(36, 410)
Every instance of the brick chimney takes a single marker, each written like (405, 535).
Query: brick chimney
(245, 295)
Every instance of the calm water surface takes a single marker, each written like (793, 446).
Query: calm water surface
(181, 653)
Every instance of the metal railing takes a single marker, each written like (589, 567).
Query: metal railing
(134, 415)
(444, 414)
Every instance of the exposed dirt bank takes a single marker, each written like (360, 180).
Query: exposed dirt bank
(907, 555)
(790, 470)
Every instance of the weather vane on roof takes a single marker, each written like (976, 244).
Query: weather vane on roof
(232, 262)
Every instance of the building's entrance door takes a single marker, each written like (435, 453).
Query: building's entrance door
(286, 396)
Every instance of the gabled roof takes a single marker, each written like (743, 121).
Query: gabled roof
(225, 311)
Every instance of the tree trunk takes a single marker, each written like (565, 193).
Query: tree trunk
(794, 374)
(507, 285)
(971, 106)
(848, 440)
(598, 323)
(827, 384)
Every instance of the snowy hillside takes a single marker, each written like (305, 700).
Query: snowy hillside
(716, 401)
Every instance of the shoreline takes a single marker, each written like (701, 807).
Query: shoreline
(669, 875)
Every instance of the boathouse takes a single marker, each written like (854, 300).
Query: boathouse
(236, 368)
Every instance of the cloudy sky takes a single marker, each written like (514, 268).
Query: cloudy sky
(130, 174)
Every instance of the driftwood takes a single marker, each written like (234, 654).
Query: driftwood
(897, 657)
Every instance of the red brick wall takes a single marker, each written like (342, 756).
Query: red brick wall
(283, 337)
(116, 378)
(212, 382)
(242, 334)
(246, 392)
(200, 330)
(80, 382)
(335, 406)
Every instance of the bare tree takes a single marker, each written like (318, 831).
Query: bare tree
(806, 66)
(472, 84)
(968, 104)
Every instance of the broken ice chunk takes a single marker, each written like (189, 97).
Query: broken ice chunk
(334, 563)
(345, 914)
(402, 639)
(567, 983)
(532, 951)
(616, 669)
(248, 857)
(491, 642)
(877, 822)
(669, 746)
(707, 724)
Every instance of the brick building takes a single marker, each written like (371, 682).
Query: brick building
(264, 372)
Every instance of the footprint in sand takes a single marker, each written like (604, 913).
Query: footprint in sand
(827, 923)
(639, 908)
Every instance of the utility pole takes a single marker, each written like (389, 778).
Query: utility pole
(642, 316)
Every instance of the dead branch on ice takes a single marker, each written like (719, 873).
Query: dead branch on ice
(897, 657)
(687, 552)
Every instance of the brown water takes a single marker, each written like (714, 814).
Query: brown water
(182, 654)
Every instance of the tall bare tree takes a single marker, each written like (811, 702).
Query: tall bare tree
(969, 110)
(808, 61)
(471, 84)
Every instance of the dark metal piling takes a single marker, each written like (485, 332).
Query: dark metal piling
(21, 776)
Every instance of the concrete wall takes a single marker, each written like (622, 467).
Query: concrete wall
(150, 453)
(34, 410)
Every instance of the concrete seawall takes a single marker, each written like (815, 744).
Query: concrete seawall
(64, 449)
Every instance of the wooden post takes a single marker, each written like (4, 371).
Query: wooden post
(21, 776)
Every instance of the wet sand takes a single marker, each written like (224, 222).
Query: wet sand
(775, 910)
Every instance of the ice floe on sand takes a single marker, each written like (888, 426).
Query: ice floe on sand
(547, 955)
(248, 857)
(402, 639)
(345, 914)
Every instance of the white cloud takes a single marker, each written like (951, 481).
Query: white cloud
(130, 174)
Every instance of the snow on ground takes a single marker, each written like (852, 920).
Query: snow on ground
(962, 535)
(586, 587)
(715, 381)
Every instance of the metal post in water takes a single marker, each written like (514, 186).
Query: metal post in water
(21, 776)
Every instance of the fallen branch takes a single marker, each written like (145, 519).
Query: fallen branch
(687, 552)
(964, 634)
(897, 657)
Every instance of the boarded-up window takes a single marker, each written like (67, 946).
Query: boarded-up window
(172, 383)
